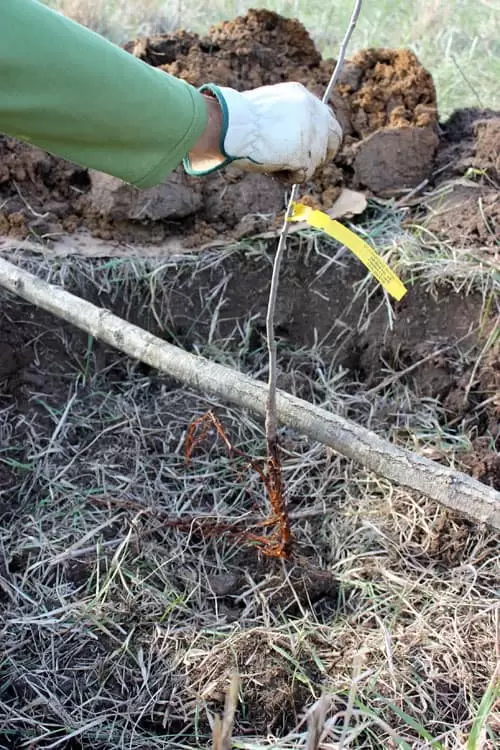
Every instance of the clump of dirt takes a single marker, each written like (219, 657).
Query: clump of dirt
(387, 88)
(487, 150)
(465, 209)
(483, 462)
(304, 585)
(40, 194)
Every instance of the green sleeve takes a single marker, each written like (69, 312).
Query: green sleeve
(72, 93)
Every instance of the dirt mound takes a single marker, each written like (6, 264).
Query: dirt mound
(387, 88)
(378, 87)
(466, 214)
(470, 140)
(466, 209)
(258, 49)
(385, 101)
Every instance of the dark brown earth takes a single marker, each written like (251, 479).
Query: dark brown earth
(467, 209)
(385, 100)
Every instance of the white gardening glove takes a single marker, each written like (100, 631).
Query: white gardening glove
(280, 128)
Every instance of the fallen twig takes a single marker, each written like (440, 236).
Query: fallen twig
(452, 489)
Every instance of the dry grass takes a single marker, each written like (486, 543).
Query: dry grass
(119, 631)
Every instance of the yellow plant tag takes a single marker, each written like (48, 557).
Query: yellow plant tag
(363, 251)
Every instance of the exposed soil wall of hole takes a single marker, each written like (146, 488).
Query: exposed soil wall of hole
(352, 337)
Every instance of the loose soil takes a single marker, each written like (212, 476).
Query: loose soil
(385, 100)
(466, 211)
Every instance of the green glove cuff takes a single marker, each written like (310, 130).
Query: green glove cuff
(217, 93)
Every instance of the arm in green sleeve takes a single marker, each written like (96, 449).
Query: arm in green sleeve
(72, 93)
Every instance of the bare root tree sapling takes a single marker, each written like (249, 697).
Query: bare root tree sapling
(274, 469)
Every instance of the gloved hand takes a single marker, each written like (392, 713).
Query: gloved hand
(280, 128)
